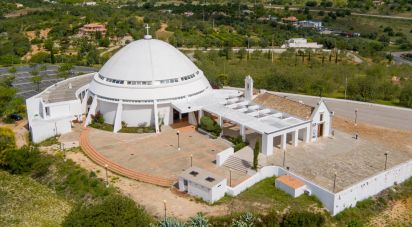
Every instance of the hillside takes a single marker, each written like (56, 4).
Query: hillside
(25, 202)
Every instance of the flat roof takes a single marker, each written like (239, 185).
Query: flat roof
(201, 176)
(230, 105)
(61, 91)
(290, 181)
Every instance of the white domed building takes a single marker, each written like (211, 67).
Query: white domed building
(150, 83)
(143, 79)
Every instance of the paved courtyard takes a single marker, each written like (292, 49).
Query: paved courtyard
(353, 160)
(157, 154)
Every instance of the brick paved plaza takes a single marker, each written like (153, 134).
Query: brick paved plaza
(157, 154)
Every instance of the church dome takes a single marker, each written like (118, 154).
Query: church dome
(147, 70)
(148, 60)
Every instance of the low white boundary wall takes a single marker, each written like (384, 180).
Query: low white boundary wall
(371, 186)
(335, 202)
(222, 156)
(325, 196)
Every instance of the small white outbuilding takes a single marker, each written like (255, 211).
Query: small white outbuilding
(202, 183)
(290, 185)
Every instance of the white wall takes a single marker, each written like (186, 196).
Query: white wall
(291, 191)
(199, 191)
(41, 130)
(222, 156)
(219, 191)
(371, 186)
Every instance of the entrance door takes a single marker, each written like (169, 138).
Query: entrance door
(320, 130)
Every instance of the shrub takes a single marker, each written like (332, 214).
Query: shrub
(238, 142)
(6, 138)
(303, 218)
(208, 124)
(115, 210)
(198, 221)
(22, 160)
(405, 98)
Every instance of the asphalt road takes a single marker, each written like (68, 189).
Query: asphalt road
(381, 115)
(399, 60)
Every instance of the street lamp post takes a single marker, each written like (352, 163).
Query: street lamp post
(191, 160)
(356, 117)
(178, 140)
(334, 182)
(165, 208)
(386, 159)
(107, 178)
(230, 177)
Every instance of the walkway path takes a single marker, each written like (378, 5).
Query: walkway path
(101, 160)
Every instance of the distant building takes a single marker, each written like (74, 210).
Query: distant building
(89, 3)
(309, 24)
(93, 28)
(300, 43)
(19, 5)
(188, 13)
(291, 19)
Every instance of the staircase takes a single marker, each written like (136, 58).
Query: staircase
(238, 164)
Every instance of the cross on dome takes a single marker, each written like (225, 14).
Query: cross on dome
(147, 36)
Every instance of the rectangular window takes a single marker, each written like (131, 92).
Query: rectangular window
(321, 117)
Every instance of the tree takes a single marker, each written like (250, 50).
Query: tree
(114, 210)
(12, 70)
(36, 79)
(256, 152)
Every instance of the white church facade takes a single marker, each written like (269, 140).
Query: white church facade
(151, 83)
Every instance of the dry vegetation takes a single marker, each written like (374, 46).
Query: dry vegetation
(25, 202)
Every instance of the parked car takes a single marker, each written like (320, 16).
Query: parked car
(15, 116)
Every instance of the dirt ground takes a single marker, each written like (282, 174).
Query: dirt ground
(398, 139)
(151, 196)
(20, 132)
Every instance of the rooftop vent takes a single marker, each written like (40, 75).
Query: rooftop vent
(193, 173)
(210, 179)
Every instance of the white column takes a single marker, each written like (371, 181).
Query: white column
(180, 116)
(156, 116)
(92, 111)
(220, 119)
(200, 115)
(295, 137)
(192, 118)
(242, 132)
(307, 134)
(84, 101)
(118, 118)
(283, 141)
(267, 144)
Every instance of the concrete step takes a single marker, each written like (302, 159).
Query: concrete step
(238, 164)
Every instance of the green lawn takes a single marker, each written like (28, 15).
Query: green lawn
(265, 195)
(25, 202)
